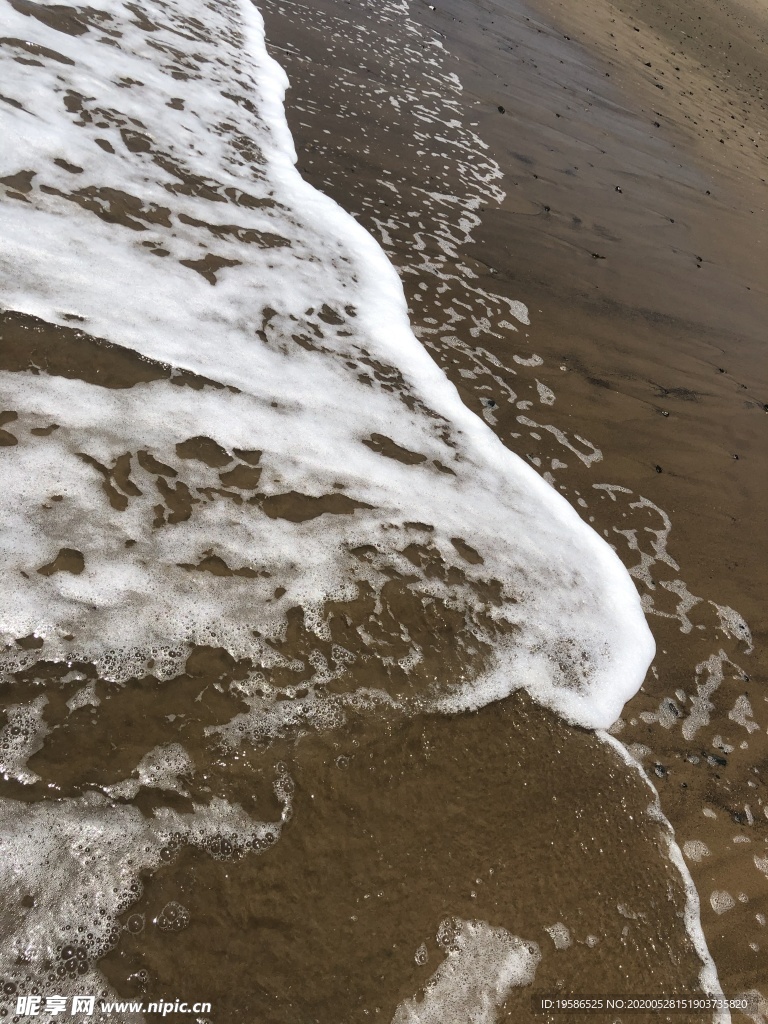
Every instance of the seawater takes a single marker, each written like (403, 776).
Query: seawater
(388, 75)
(285, 449)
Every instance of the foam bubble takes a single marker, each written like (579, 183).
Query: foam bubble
(69, 869)
(559, 935)
(721, 901)
(482, 966)
(695, 850)
(243, 276)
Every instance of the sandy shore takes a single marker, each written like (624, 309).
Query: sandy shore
(636, 239)
(629, 145)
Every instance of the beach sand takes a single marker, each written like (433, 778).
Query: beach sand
(635, 238)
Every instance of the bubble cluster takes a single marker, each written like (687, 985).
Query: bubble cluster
(186, 514)
(70, 870)
(483, 965)
(172, 918)
(161, 768)
(20, 737)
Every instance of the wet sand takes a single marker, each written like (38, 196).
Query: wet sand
(636, 238)
(398, 829)
(636, 247)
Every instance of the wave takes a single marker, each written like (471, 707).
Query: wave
(316, 453)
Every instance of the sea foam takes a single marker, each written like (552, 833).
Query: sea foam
(483, 965)
(152, 200)
(280, 442)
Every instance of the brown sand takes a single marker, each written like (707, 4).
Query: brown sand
(653, 302)
(507, 815)
(398, 828)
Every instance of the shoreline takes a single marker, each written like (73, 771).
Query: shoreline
(324, 828)
(656, 357)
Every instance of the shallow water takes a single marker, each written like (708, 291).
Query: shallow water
(259, 583)
(651, 363)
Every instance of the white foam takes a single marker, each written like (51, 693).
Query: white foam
(21, 737)
(70, 868)
(559, 935)
(546, 395)
(741, 714)
(721, 901)
(758, 1008)
(701, 705)
(162, 768)
(482, 966)
(695, 850)
(581, 645)
(734, 625)
(86, 697)
(708, 977)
